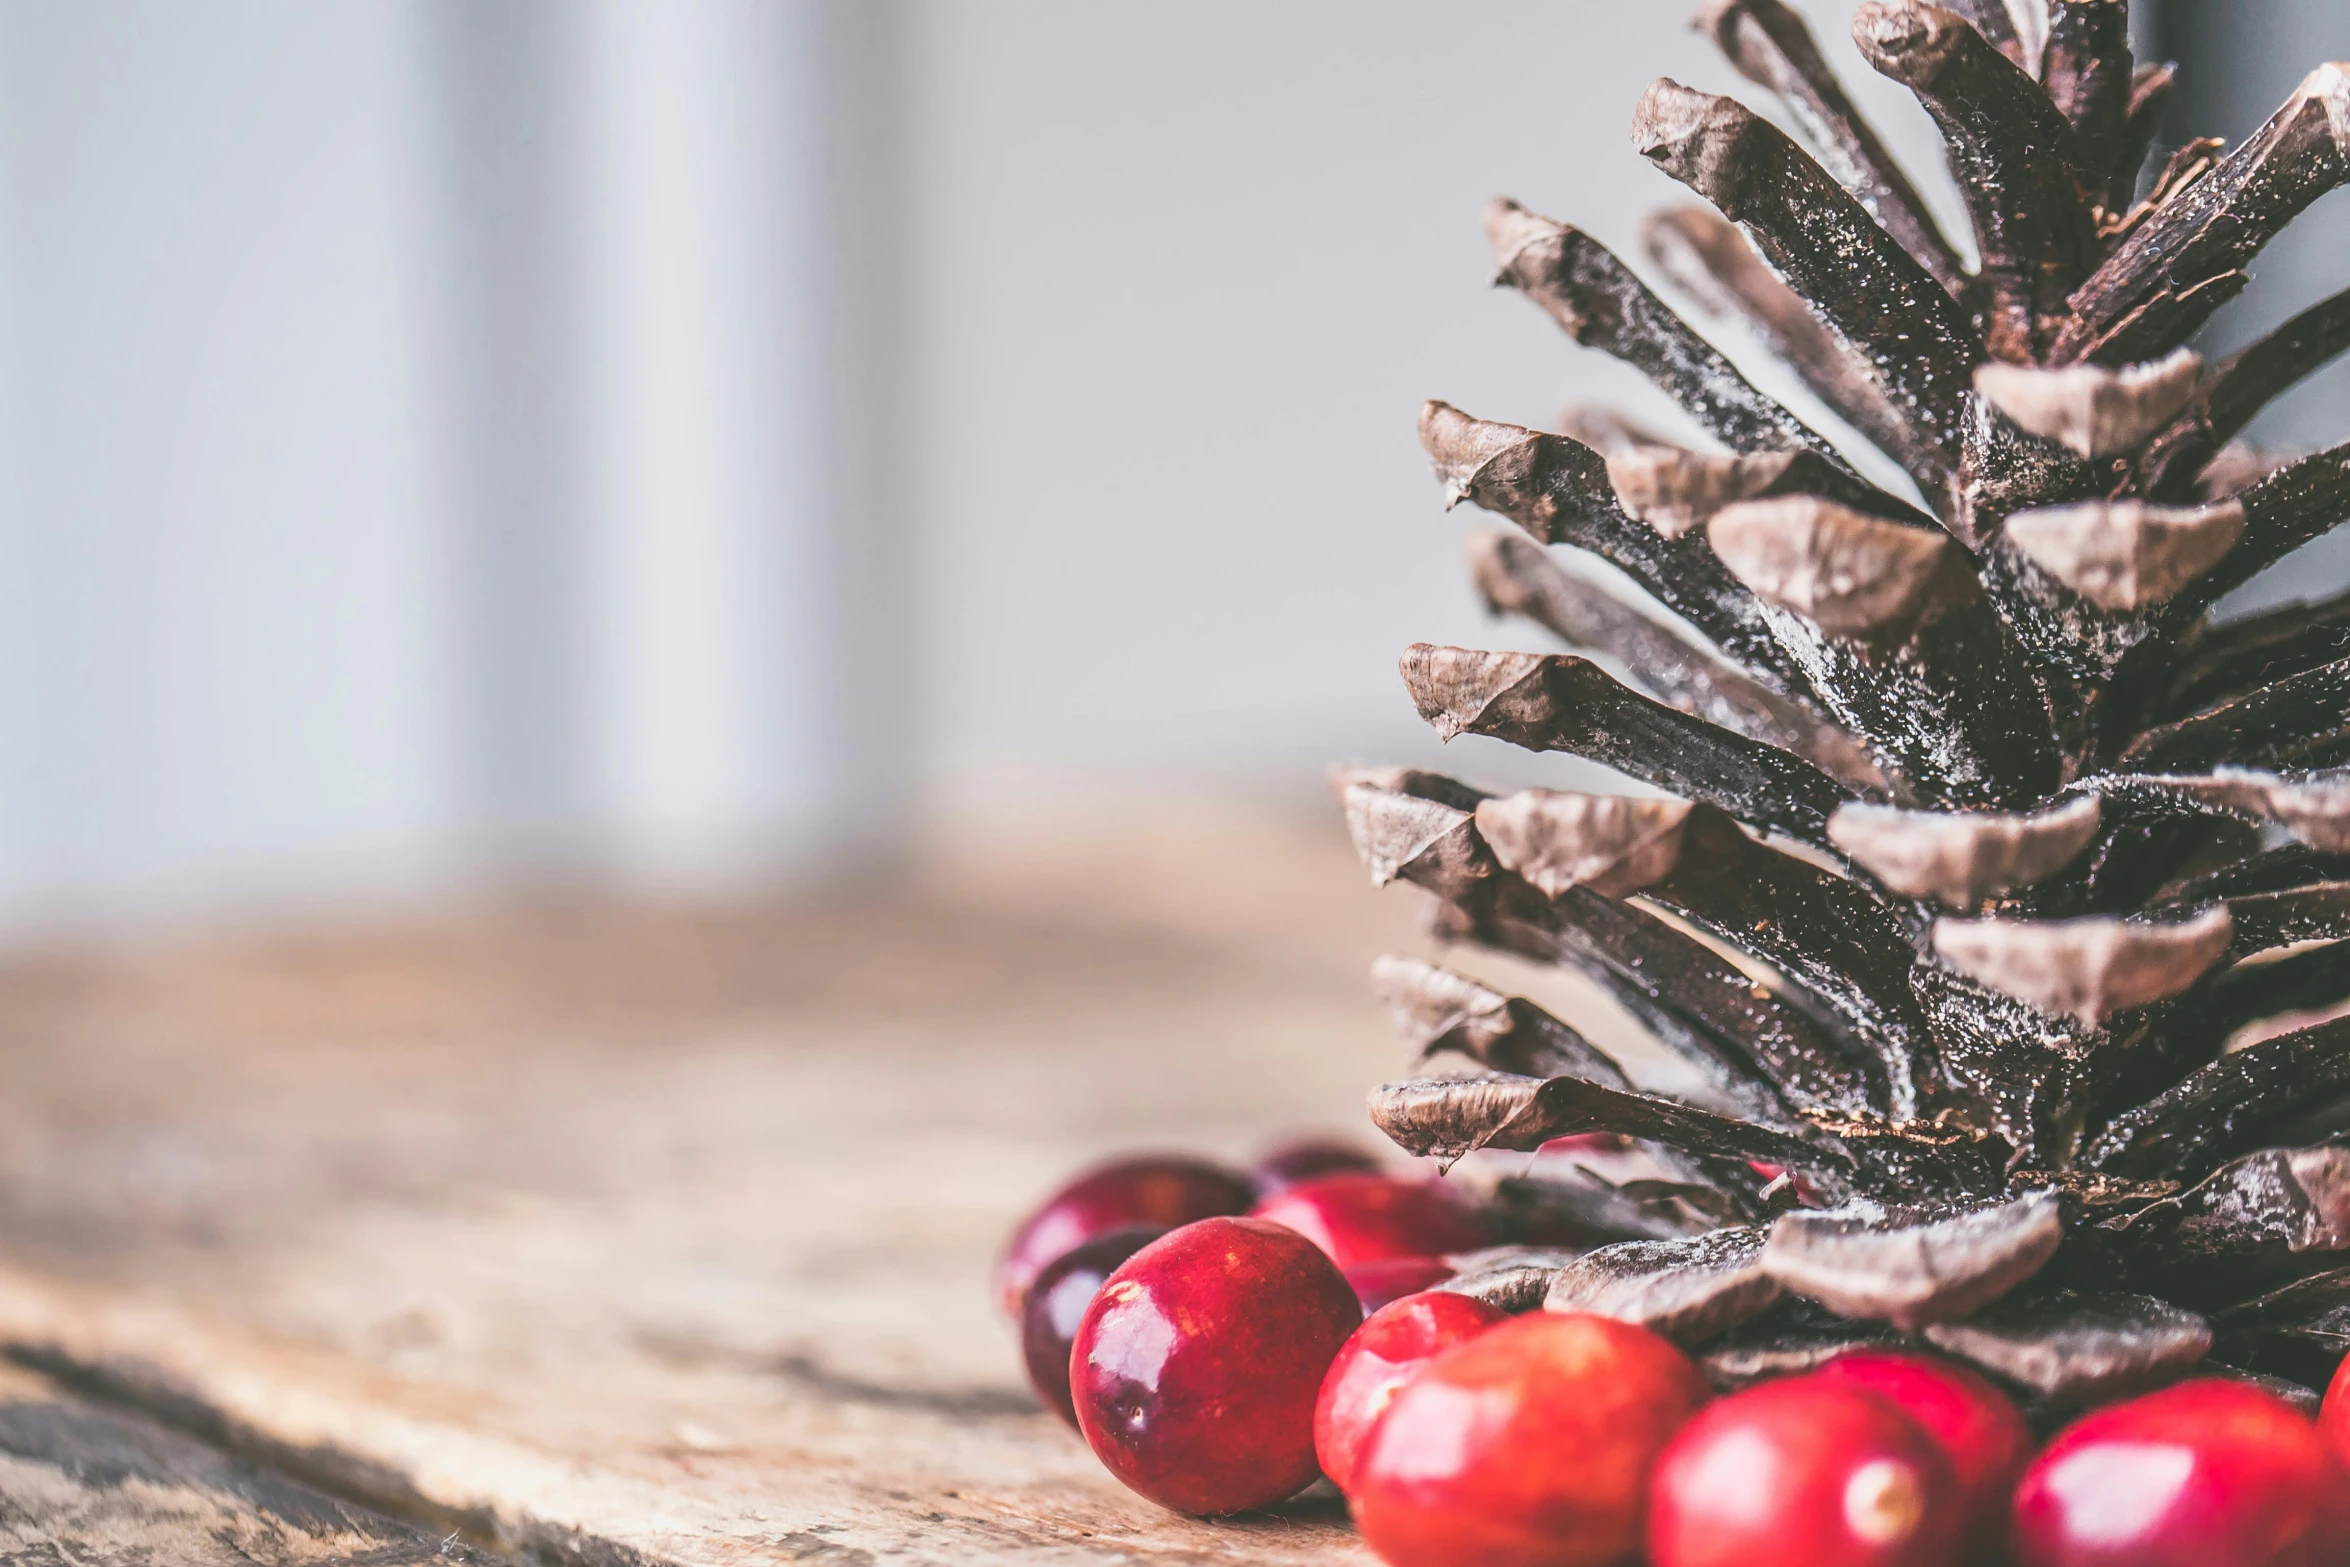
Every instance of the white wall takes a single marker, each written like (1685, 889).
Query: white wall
(420, 446)
(1187, 274)
(225, 660)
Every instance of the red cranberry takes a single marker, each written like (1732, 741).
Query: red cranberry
(1310, 1157)
(1528, 1446)
(1161, 1189)
(2333, 1417)
(1197, 1366)
(1369, 1218)
(1057, 1302)
(1811, 1472)
(1978, 1428)
(1392, 1344)
(1390, 1279)
(2209, 1473)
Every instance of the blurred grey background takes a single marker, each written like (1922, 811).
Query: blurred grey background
(447, 443)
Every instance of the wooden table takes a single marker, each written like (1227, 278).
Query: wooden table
(602, 1234)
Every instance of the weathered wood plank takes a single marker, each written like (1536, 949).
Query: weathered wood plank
(83, 1484)
(609, 1236)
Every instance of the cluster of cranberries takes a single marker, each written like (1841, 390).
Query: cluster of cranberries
(1223, 1340)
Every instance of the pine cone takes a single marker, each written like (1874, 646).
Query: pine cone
(2025, 879)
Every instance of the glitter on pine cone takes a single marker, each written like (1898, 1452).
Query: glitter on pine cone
(2018, 1022)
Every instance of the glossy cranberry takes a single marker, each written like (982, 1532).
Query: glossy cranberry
(1528, 1446)
(1161, 1189)
(1978, 1428)
(1310, 1157)
(1394, 1342)
(1197, 1366)
(2333, 1417)
(1390, 1279)
(1810, 1472)
(2209, 1473)
(1057, 1302)
(1368, 1218)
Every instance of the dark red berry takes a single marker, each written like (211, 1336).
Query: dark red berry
(1310, 1157)
(1811, 1472)
(1978, 1428)
(2209, 1473)
(1197, 1366)
(1056, 1305)
(1377, 1284)
(1394, 1342)
(1162, 1189)
(1528, 1446)
(1360, 1218)
(2333, 1417)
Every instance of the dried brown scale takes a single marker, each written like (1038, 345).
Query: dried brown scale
(2091, 78)
(2304, 1400)
(1828, 935)
(1994, 21)
(1438, 1011)
(2237, 389)
(1963, 860)
(1856, 577)
(1828, 249)
(1527, 928)
(1950, 707)
(1447, 1117)
(2288, 508)
(2300, 1327)
(1597, 301)
(2238, 794)
(1754, 1052)
(2142, 860)
(1553, 702)
(2310, 980)
(2005, 469)
(2217, 672)
(1895, 637)
(2084, 649)
(2016, 1073)
(2252, 1224)
(2267, 921)
(1910, 1270)
(2127, 557)
(1921, 1160)
(1768, 1347)
(1771, 46)
(2013, 153)
(2188, 259)
(2090, 969)
(2096, 412)
(2271, 870)
(1513, 1278)
(1516, 576)
(1691, 1290)
(1654, 970)
(2300, 721)
(2076, 1349)
(1907, 701)
(2228, 1107)
(1675, 490)
(1706, 257)
(1604, 430)
(1593, 1213)
(2151, 89)
(1558, 491)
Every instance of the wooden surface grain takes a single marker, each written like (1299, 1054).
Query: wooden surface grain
(615, 1234)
